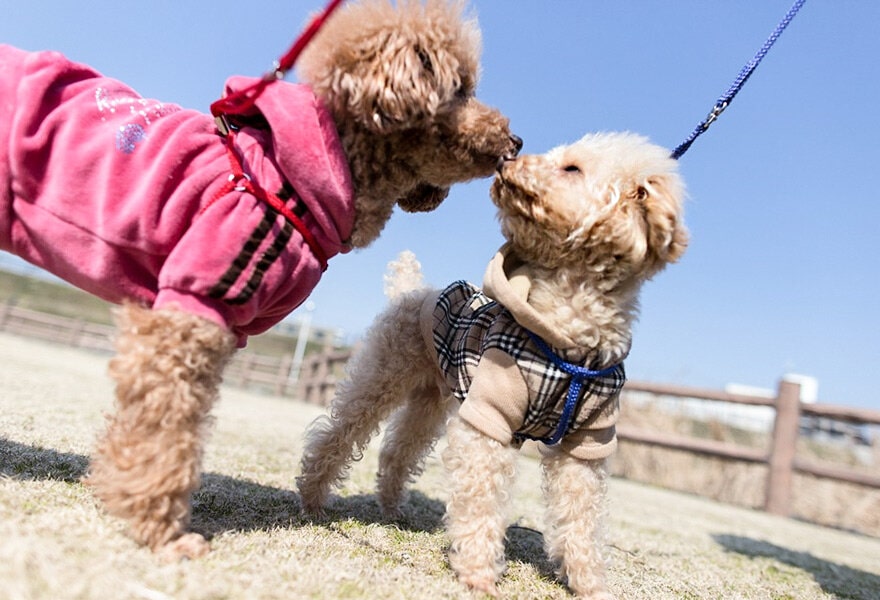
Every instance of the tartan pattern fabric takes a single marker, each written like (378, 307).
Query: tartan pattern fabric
(467, 323)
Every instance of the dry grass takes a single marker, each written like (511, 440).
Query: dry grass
(56, 544)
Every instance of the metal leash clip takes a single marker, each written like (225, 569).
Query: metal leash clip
(716, 112)
(275, 73)
(223, 125)
(238, 178)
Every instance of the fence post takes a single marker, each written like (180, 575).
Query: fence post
(309, 378)
(75, 332)
(5, 312)
(782, 448)
(284, 370)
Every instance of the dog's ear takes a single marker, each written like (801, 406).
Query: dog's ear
(667, 234)
(423, 198)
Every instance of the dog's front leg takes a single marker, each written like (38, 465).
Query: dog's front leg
(575, 494)
(481, 471)
(147, 465)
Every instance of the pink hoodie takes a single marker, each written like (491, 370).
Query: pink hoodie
(104, 189)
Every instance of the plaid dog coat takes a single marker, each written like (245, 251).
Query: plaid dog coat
(467, 324)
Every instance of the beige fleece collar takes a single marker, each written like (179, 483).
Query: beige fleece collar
(507, 283)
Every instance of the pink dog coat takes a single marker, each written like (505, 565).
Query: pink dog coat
(107, 189)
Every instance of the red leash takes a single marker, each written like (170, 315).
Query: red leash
(243, 100)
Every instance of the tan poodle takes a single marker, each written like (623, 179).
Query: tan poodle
(537, 354)
(209, 239)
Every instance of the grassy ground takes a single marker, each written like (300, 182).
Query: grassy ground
(56, 544)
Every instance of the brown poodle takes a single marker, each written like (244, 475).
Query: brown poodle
(537, 355)
(206, 239)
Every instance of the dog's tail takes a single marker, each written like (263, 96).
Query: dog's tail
(404, 275)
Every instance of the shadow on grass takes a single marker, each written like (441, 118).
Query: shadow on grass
(526, 546)
(418, 513)
(224, 503)
(834, 578)
(423, 514)
(21, 461)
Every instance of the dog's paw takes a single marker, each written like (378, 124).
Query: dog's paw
(480, 584)
(187, 546)
(596, 595)
(392, 513)
(313, 512)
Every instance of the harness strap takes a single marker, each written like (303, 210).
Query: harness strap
(578, 376)
(239, 181)
(239, 103)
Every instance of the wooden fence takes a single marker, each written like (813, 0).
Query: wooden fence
(247, 369)
(71, 332)
(315, 381)
(780, 457)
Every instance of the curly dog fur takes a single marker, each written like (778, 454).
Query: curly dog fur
(399, 82)
(167, 373)
(589, 223)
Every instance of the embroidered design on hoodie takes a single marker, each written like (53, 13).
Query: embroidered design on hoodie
(119, 104)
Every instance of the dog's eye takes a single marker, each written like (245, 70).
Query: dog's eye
(425, 59)
(465, 87)
(572, 169)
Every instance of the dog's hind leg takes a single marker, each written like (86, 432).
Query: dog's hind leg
(167, 371)
(481, 472)
(379, 378)
(575, 494)
(408, 439)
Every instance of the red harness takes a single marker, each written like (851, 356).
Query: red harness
(240, 103)
(239, 181)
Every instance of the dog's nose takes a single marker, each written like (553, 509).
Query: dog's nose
(517, 146)
(517, 143)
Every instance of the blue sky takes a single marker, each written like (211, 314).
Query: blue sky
(782, 272)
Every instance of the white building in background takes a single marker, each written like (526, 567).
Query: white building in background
(742, 416)
(822, 429)
(809, 388)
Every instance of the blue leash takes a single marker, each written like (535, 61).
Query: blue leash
(746, 72)
(578, 376)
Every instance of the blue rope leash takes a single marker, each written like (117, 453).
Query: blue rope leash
(746, 72)
(578, 376)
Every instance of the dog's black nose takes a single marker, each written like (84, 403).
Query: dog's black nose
(517, 142)
(517, 146)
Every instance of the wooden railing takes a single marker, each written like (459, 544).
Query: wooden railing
(64, 330)
(780, 457)
(315, 380)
